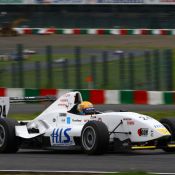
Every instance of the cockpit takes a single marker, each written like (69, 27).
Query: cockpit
(87, 110)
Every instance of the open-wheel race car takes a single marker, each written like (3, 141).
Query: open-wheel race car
(61, 126)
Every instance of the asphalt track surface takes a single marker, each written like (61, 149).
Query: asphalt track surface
(36, 42)
(149, 161)
(66, 160)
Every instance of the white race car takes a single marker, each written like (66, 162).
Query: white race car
(61, 127)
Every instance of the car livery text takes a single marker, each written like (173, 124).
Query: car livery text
(60, 136)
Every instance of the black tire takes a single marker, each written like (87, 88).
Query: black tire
(8, 141)
(169, 123)
(95, 138)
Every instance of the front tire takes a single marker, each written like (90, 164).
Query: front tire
(95, 138)
(169, 123)
(8, 140)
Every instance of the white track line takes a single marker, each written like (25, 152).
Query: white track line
(41, 171)
(77, 172)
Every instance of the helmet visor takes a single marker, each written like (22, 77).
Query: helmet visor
(89, 110)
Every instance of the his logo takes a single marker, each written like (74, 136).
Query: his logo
(60, 136)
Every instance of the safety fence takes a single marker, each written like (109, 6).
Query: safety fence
(100, 96)
(78, 69)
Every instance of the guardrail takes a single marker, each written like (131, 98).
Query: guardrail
(91, 31)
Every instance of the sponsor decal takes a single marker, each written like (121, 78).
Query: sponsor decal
(68, 120)
(60, 136)
(62, 114)
(63, 120)
(64, 100)
(54, 120)
(143, 132)
(158, 126)
(144, 117)
(76, 120)
(131, 122)
(163, 131)
(61, 104)
(127, 119)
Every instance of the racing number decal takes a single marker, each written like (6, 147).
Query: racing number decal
(143, 132)
(2, 111)
(60, 136)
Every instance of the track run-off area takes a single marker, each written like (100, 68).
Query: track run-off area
(155, 161)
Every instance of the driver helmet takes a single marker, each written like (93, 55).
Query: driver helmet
(86, 107)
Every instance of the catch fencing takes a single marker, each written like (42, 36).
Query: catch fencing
(105, 69)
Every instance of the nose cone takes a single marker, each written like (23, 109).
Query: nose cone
(163, 131)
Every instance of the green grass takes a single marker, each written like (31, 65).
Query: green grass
(23, 116)
(130, 173)
(160, 114)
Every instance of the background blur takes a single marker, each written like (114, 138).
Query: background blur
(91, 16)
(87, 61)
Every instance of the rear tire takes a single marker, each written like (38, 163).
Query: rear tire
(169, 123)
(95, 138)
(8, 140)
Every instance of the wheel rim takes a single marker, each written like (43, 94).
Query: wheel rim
(2, 135)
(88, 138)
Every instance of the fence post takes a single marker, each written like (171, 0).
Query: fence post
(14, 75)
(65, 74)
(38, 74)
(169, 69)
(122, 71)
(157, 69)
(131, 71)
(147, 61)
(49, 67)
(105, 69)
(93, 70)
(1, 77)
(20, 65)
(78, 67)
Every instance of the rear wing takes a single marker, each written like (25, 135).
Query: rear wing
(6, 101)
(32, 99)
